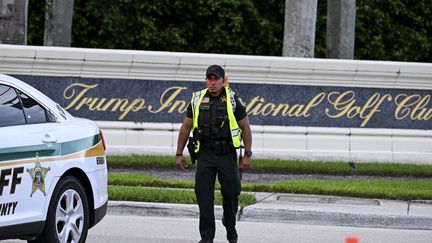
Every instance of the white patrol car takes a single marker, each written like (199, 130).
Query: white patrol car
(53, 171)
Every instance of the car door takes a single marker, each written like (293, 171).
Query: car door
(27, 134)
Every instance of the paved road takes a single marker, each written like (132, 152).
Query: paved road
(123, 228)
(143, 229)
(249, 177)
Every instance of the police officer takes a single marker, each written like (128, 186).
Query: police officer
(218, 121)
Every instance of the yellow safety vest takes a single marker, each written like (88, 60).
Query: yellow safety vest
(235, 130)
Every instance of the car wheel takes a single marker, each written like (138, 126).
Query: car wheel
(68, 214)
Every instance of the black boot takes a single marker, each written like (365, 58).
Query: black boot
(231, 232)
(205, 241)
(232, 235)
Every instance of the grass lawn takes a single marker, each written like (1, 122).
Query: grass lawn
(401, 189)
(286, 166)
(416, 184)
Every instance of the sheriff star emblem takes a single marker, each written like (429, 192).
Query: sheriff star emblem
(38, 174)
(223, 99)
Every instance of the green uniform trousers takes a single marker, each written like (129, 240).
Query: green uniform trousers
(226, 168)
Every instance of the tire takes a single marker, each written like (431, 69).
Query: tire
(68, 214)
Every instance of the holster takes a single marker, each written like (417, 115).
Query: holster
(191, 148)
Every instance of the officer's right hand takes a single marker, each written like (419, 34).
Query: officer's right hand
(181, 162)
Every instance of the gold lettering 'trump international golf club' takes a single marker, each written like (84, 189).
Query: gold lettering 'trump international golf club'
(258, 106)
(415, 107)
(344, 103)
(76, 93)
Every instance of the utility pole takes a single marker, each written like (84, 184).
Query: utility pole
(58, 22)
(13, 22)
(299, 29)
(340, 34)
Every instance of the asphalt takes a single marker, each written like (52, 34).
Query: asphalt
(304, 209)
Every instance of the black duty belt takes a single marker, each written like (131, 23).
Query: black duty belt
(217, 146)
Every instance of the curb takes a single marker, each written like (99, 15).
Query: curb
(341, 211)
(338, 219)
(302, 209)
(158, 209)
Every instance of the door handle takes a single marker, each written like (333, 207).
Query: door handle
(49, 139)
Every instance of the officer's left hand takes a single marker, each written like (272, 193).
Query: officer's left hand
(245, 163)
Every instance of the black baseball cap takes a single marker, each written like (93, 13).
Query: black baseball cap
(216, 70)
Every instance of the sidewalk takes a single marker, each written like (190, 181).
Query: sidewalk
(299, 208)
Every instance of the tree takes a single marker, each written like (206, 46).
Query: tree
(58, 22)
(13, 21)
(340, 33)
(393, 30)
(397, 30)
(299, 31)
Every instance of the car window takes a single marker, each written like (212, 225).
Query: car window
(34, 113)
(11, 112)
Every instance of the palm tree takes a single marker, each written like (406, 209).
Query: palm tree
(13, 21)
(299, 29)
(340, 33)
(58, 22)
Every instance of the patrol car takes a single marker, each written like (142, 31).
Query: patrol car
(53, 169)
